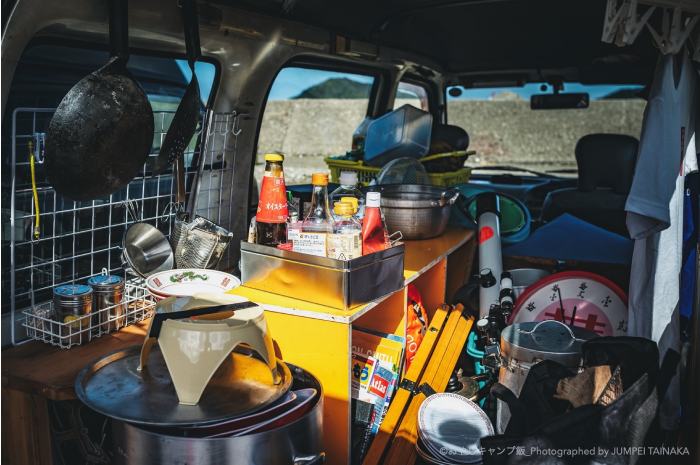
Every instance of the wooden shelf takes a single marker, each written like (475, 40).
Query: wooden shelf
(41, 369)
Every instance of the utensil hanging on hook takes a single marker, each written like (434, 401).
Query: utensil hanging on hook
(184, 123)
(101, 133)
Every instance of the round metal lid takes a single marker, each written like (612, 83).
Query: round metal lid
(544, 340)
(71, 290)
(108, 281)
(115, 388)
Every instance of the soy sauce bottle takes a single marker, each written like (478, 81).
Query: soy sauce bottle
(271, 217)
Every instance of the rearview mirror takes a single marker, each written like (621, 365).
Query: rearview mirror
(559, 101)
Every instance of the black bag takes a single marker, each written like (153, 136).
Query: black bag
(587, 434)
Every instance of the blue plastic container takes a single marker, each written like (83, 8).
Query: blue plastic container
(404, 132)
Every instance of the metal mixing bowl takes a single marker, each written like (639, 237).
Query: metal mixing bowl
(146, 250)
(419, 212)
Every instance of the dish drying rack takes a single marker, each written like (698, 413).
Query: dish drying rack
(41, 324)
(78, 239)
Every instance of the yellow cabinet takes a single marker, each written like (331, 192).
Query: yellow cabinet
(319, 338)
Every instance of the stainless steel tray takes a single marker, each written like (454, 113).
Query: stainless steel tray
(339, 284)
(113, 387)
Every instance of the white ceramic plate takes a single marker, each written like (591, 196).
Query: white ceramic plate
(451, 427)
(189, 281)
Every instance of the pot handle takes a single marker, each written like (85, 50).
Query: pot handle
(556, 322)
(444, 200)
(317, 459)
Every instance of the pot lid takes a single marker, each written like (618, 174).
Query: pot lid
(114, 387)
(544, 340)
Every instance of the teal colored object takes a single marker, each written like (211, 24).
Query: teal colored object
(477, 355)
(515, 216)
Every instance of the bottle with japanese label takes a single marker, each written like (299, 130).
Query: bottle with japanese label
(345, 243)
(271, 217)
(319, 219)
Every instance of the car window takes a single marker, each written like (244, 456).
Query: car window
(77, 239)
(311, 114)
(503, 130)
(412, 94)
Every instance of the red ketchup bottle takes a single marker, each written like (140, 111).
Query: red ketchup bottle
(374, 234)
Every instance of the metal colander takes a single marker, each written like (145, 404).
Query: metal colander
(199, 243)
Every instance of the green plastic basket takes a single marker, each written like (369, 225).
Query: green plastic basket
(365, 174)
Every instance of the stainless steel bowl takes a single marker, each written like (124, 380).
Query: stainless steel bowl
(419, 212)
(146, 250)
(526, 277)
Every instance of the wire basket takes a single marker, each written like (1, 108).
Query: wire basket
(40, 321)
(365, 174)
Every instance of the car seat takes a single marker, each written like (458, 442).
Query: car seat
(605, 170)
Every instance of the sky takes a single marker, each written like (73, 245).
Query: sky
(290, 82)
(526, 91)
(205, 76)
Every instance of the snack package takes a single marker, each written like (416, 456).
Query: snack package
(416, 323)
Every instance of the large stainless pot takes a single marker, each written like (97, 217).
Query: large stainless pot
(297, 443)
(419, 212)
(525, 344)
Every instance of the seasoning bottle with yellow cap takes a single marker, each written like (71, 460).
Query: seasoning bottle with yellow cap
(271, 216)
(319, 218)
(345, 243)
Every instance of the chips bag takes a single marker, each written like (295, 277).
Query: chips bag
(416, 323)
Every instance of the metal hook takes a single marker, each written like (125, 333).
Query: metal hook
(131, 208)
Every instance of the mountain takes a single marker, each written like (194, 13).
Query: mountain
(341, 88)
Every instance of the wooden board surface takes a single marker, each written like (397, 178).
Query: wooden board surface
(39, 368)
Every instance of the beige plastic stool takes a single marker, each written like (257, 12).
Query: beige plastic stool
(194, 349)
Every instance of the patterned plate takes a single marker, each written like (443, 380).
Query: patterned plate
(601, 306)
(189, 281)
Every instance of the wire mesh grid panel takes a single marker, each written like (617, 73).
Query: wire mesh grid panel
(76, 240)
(214, 194)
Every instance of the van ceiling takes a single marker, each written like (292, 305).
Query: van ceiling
(481, 35)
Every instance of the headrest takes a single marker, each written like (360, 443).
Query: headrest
(607, 161)
(448, 138)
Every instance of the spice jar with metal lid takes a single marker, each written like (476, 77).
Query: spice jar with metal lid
(109, 307)
(71, 303)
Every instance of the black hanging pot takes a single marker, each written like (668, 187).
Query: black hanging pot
(101, 133)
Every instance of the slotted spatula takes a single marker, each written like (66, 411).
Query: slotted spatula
(186, 117)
